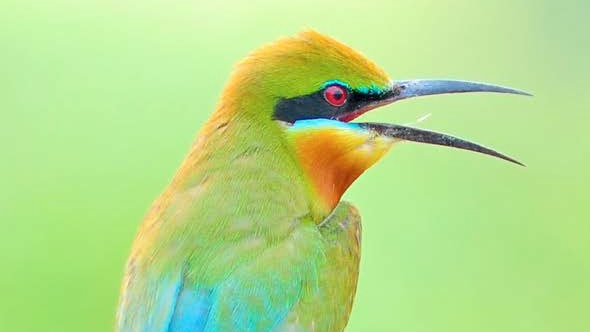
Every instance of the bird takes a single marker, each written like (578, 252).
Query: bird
(251, 234)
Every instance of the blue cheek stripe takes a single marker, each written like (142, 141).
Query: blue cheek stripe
(323, 123)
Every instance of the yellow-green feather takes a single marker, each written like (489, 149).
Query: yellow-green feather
(238, 239)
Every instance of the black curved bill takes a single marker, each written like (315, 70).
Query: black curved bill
(431, 137)
(414, 88)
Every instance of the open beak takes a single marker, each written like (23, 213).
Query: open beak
(415, 88)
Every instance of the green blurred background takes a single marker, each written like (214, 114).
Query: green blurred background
(100, 101)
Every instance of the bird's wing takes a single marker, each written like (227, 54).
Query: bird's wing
(247, 301)
(151, 300)
(191, 311)
(279, 286)
(256, 295)
(154, 302)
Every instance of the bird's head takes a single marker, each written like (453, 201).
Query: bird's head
(312, 86)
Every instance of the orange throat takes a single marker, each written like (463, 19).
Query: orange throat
(333, 158)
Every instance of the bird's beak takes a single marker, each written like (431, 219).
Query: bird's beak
(415, 88)
(431, 137)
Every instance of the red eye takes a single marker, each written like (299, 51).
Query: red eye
(335, 95)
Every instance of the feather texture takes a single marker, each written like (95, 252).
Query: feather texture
(241, 240)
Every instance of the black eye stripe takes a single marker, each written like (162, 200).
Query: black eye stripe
(314, 105)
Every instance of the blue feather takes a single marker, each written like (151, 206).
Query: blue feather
(192, 311)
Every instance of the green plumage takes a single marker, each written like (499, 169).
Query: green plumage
(251, 234)
(241, 240)
(259, 249)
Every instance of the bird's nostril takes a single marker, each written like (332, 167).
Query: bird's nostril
(397, 90)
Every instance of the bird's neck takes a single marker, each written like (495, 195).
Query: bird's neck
(252, 158)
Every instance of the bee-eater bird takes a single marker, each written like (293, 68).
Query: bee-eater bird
(251, 234)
